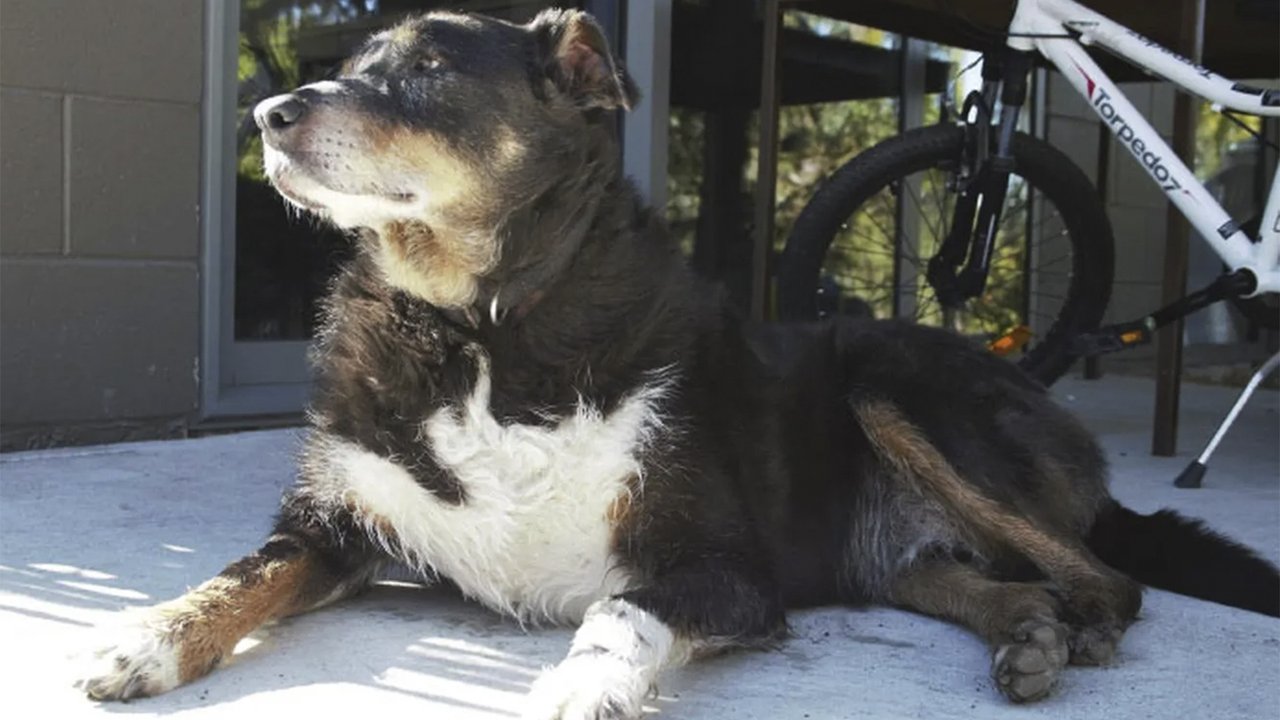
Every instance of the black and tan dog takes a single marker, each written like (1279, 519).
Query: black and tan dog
(520, 388)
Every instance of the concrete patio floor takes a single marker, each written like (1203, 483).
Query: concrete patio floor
(87, 531)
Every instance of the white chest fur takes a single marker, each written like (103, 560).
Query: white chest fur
(533, 537)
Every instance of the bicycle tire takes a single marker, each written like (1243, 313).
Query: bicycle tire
(1044, 168)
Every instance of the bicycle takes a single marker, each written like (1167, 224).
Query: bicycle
(1039, 285)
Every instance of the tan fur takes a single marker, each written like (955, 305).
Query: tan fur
(432, 256)
(415, 258)
(396, 153)
(205, 624)
(1097, 592)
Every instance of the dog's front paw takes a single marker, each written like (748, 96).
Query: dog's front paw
(589, 687)
(1027, 668)
(140, 660)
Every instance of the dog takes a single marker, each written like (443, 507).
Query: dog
(522, 389)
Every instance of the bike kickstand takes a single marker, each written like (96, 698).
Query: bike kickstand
(1193, 475)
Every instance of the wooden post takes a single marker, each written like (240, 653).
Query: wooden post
(722, 249)
(767, 165)
(1164, 441)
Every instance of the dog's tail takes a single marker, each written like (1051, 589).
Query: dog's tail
(1176, 553)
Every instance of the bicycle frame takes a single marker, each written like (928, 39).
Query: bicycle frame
(1058, 29)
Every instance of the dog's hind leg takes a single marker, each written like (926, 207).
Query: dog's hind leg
(1096, 600)
(183, 639)
(1019, 620)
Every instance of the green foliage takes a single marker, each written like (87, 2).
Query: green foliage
(1217, 137)
(268, 61)
(684, 174)
(815, 140)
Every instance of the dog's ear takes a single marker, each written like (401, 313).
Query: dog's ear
(576, 56)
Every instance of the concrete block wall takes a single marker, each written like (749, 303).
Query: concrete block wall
(1136, 207)
(100, 174)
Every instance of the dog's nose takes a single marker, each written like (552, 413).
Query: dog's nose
(277, 115)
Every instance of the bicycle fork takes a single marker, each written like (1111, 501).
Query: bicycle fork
(980, 203)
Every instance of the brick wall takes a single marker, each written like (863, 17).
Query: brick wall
(99, 218)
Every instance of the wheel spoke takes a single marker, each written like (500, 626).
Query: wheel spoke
(1032, 271)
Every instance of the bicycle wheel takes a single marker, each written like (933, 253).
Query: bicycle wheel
(873, 225)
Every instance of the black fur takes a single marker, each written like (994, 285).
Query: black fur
(768, 495)
(763, 492)
(496, 241)
(1180, 554)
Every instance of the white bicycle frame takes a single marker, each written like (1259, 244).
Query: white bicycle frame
(1040, 25)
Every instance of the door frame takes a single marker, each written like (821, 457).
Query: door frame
(237, 378)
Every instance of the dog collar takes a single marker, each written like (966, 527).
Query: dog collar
(471, 316)
(498, 314)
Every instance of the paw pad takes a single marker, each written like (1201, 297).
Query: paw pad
(1027, 669)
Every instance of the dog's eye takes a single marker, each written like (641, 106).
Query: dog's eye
(427, 63)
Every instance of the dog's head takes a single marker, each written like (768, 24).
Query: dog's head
(437, 130)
